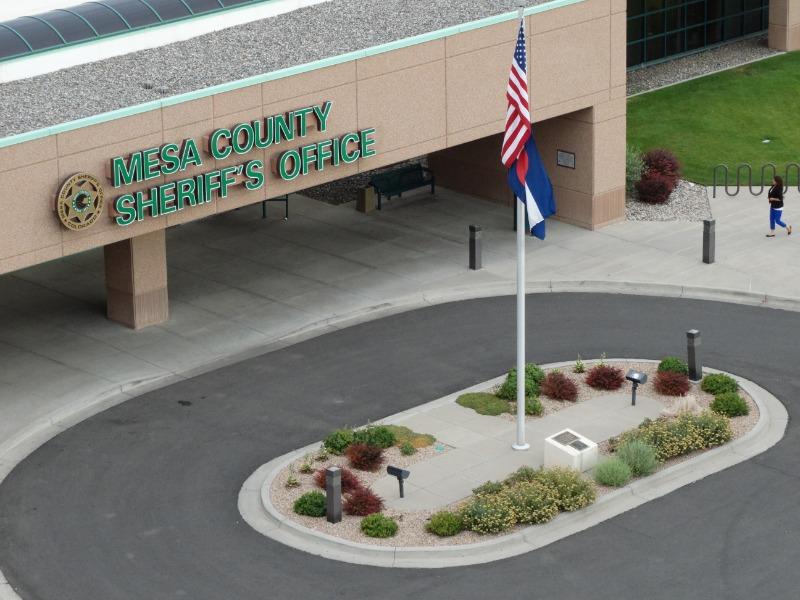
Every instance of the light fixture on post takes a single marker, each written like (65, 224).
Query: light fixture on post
(636, 378)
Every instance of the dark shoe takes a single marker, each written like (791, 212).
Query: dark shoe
(789, 230)
(770, 235)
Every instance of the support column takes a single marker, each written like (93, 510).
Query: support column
(136, 280)
(784, 24)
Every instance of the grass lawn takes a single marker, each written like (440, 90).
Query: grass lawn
(724, 118)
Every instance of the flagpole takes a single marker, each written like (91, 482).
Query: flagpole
(520, 444)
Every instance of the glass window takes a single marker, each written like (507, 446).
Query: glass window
(635, 29)
(655, 48)
(72, 28)
(635, 54)
(676, 43)
(38, 34)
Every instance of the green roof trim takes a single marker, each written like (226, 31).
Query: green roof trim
(278, 74)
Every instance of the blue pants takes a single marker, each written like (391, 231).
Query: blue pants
(775, 218)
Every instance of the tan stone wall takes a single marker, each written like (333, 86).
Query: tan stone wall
(420, 99)
(784, 24)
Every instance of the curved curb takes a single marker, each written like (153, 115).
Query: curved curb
(13, 451)
(258, 511)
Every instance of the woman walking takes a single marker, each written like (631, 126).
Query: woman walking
(775, 199)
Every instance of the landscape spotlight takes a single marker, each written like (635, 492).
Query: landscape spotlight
(635, 377)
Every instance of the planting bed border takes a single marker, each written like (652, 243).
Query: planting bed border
(258, 511)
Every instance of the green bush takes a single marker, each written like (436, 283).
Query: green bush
(445, 524)
(673, 364)
(490, 513)
(685, 433)
(373, 435)
(572, 490)
(639, 456)
(719, 383)
(404, 434)
(407, 449)
(338, 441)
(533, 407)
(533, 377)
(612, 473)
(490, 487)
(532, 502)
(579, 366)
(634, 167)
(730, 404)
(378, 526)
(484, 404)
(523, 474)
(311, 504)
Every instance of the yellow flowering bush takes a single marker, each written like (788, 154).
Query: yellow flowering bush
(532, 502)
(572, 490)
(682, 434)
(491, 513)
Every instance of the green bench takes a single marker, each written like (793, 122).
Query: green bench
(404, 179)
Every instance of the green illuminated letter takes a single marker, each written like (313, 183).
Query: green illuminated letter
(213, 144)
(282, 171)
(126, 209)
(254, 170)
(322, 114)
(126, 173)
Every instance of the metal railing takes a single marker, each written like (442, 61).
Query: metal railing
(762, 182)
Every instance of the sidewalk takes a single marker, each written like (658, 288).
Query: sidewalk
(239, 284)
(482, 448)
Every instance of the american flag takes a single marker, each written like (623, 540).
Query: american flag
(518, 116)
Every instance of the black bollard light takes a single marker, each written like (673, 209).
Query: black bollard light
(636, 378)
(401, 475)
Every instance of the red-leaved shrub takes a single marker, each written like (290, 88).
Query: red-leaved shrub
(671, 383)
(364, 457)
(654, 188)
(664, 163)
(350, 481)
(362, 502)
(605, 377)
(559, 387)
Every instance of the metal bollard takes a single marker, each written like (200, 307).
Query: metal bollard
(475, 247)
(693, 354)
(708, 240)
(333, 492)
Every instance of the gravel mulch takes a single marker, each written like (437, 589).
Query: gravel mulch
(346, 190)
(688, 202)
(703, 63)
(412, 523)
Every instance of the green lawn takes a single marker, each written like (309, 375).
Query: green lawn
(724, 118)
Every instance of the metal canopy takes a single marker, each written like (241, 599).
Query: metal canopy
(99, 19)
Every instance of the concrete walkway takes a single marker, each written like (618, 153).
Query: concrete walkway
(482, 446)
(239, 284)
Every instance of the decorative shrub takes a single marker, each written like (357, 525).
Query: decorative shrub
(490, 513)
(673, 364)
(407, 449)
(445, 524)
(292, 482)
(664, 163)
(484, 404)
(558, 386)
(338, 441)
(579, 366)
(639, 456)
(730, 404)
(350, 481)
(322, 454)
(379, 435)
(310, 504)
(490, 487)
(533, 377)
(572, 490)
(685, 433)
(605, 377)
(671, 383)
(634, 167)
(533, 407)
(532, 502)
(404, 434)
(718, 383)
(362, 502)
(378, 526)
(523, 474)
(364, 457)
(654, 188)
(306, 468)
(612, 473)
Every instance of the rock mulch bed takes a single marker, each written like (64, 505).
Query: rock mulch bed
(688, 202)
(412, 523)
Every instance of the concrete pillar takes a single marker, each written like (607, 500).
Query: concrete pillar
(784, 24)
(590, 195)
(136, 280)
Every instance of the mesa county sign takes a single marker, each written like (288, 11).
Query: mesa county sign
(196, 190)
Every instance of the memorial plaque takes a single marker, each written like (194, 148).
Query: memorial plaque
(566, 438)
(565, 159)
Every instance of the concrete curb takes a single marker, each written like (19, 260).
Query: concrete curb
(258, 511)
(14, 450)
